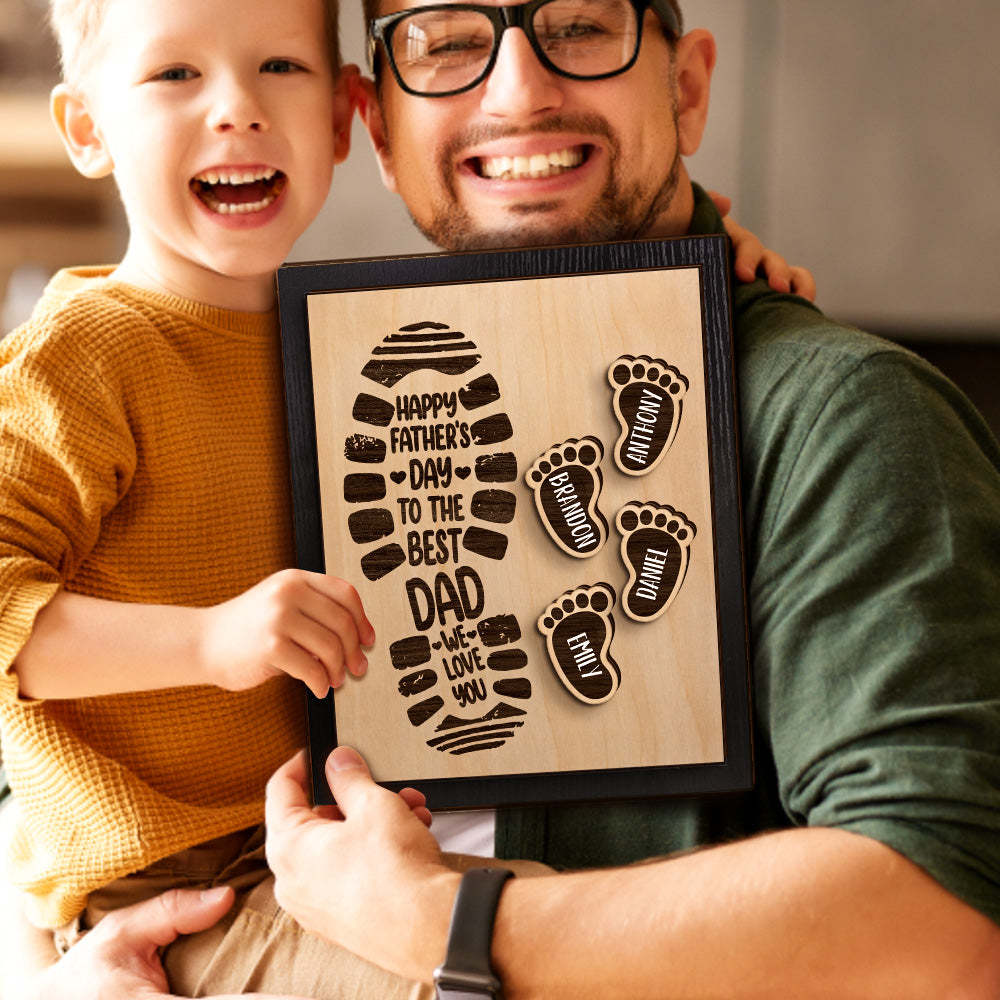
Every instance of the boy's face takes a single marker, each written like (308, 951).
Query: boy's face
(223, 123)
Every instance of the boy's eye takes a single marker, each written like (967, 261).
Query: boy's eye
(175, 74)
(280, 66)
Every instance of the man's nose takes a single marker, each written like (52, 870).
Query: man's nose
(236, 108)
(519, 85)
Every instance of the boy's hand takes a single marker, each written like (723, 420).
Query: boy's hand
(749, 254)
(307, 625)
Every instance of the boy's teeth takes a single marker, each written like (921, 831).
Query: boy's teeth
(537, 165)
(235, 176)
(240, 208)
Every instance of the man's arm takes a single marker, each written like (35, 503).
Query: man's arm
(804, 913)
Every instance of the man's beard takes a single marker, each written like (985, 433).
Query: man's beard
(619, 213)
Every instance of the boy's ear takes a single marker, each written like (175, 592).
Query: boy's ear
(79, 133)
(371, 115)
(344, 102)
(695, 61)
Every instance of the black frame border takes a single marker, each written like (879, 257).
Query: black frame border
(710, 254)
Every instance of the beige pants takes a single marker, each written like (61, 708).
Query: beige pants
(256, 947)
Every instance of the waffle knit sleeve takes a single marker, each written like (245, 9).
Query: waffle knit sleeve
(67, 457)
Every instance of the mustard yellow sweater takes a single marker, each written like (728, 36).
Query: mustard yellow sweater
(143, 459)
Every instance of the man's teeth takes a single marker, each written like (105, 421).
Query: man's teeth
(508, 168)
(234, 176)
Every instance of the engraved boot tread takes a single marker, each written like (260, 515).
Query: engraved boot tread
(426, 501)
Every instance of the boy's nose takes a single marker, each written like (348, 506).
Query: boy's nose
(237, 110)
(519, 86)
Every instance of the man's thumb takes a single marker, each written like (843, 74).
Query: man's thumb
(180, 911)
(345, 771)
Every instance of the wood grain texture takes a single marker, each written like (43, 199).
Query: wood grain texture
(542, 350)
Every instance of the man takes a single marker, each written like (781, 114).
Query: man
(866, 863)
(865, 477)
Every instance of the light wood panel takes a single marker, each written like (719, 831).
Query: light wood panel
(548, 345)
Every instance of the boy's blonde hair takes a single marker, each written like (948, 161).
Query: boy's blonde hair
(76, 23)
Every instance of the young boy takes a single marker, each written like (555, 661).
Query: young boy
(142, 704)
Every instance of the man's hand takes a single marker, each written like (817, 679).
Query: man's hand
(366, 874)
(120, 960)
(308, 625)
(749, 254)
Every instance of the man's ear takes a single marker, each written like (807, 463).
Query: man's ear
(344, 103)
(371, 114)
(694, 61)
(80, 135)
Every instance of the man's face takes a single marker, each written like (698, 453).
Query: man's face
(219, 118)
(469, 166)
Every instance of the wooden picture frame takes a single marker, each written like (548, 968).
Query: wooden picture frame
(527, 463)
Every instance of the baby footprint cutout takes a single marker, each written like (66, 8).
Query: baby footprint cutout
(567, 484)
(647, 401)
(656, 544)
(578, 628)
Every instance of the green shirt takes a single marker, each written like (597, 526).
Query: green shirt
(871, 501)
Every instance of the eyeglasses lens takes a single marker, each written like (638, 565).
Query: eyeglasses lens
(436, 51)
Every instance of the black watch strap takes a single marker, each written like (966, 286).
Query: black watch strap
(465, 973)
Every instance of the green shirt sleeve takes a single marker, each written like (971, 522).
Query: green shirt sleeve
(874, 533)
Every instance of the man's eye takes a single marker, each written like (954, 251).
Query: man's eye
(280, 66)
(573, 31)
(175, 74)
(458, 44)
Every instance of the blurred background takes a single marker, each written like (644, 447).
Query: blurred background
(861, 139)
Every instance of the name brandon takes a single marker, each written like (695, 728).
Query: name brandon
(573, 512)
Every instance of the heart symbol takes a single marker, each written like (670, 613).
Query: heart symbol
(435, 645)
(397, 477)
(462, 471)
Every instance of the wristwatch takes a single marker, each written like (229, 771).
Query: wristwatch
(465, 973)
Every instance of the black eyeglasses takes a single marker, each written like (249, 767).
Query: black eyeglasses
(448, 48)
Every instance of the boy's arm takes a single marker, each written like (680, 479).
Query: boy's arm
(308, 625)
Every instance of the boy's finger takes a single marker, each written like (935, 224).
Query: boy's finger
(327, 647)
(299, 663)
(722, 203)
(803, 283)
(349, 599)
(335, 619)
(777, 270)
